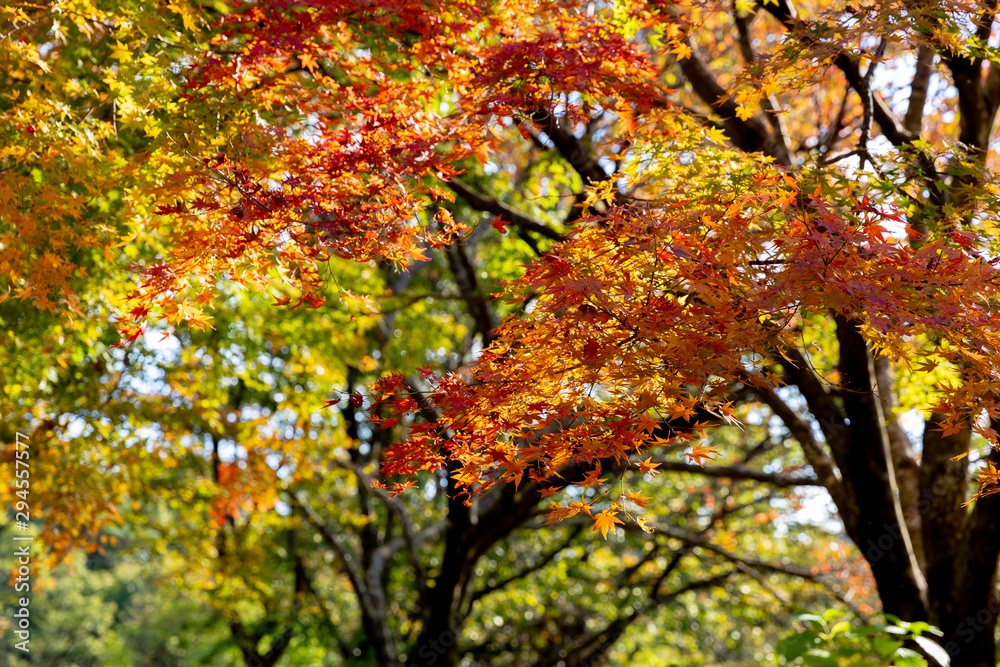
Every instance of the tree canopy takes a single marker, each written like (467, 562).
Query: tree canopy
(378, 322)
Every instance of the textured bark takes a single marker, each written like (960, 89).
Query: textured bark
(913, 121)
(976, 607)
(438, 640)
(903, 460)
(900, 583)
(943, 488)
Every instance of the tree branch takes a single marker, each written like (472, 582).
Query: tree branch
(346, 557)
(484, 320)
(768, 104)
(914, 118)
(781, 480)
(367, 590)
(826, 472)
(524, 572)
(693, 540)
(489, 205)
(750, 135)
(570, 148)
(890, 126)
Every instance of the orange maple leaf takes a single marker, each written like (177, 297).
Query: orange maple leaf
(699, 453)
(648, 466)
(308, 61)
(592, 478)
(638, 499)
(604, 522)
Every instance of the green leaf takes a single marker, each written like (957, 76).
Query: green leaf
(793, 647)
(871, 630)
(885, 646)
(819, 658)
(841, 626)
(919, 627)
(831, 614)
(906, 657)
(933, 649)
(809, 618)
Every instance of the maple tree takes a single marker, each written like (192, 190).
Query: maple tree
(724, 211)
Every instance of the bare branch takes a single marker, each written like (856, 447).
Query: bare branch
(570, 148)
(348, 559)
(489, 205)
(866, 99)
(913, 121)
(769, 104)
(746, 564)
(485, 321)
(367, 589)
(694, 540)
(524, 572)
(826, 472)
(891, 127)
(781, 480)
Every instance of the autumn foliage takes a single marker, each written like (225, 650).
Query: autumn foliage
(701, 235)
(343, 126)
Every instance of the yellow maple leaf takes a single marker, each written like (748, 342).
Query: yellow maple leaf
(122, 52)
(682, 50)
(349, 298)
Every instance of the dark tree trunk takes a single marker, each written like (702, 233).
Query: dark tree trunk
(438, 641)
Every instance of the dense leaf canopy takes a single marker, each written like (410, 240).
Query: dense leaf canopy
(552, 264)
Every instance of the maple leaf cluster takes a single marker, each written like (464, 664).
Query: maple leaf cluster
(386, 104)
(643, 319)
(292, 134)
(650, 313)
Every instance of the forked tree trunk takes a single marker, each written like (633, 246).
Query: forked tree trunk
(951, 583)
